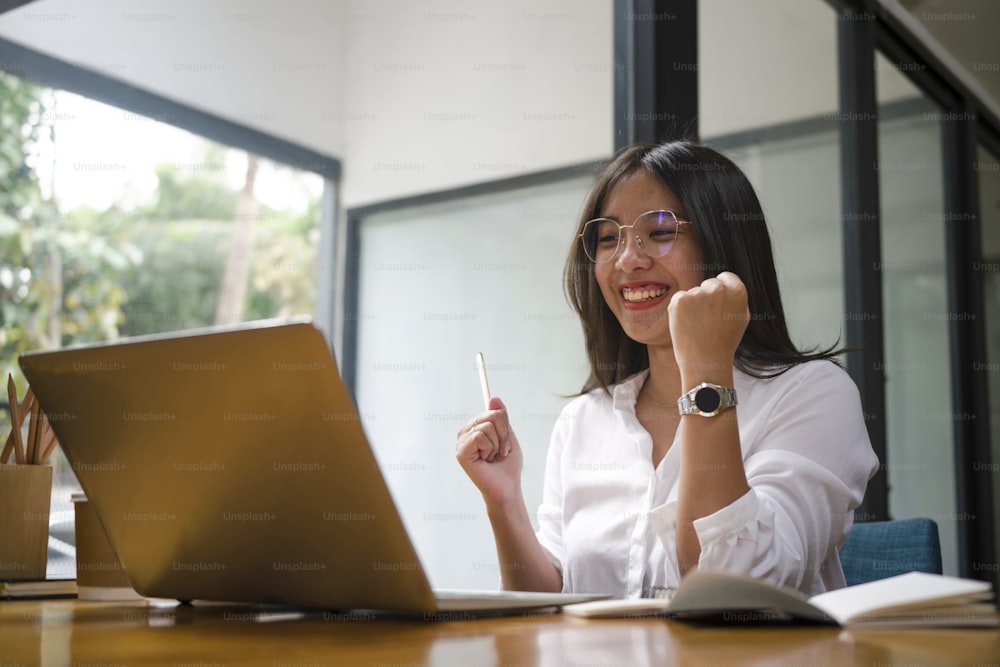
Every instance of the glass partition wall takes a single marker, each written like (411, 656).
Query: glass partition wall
(921, 461)
(438, 283)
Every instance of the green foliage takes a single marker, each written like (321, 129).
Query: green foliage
(200, 193)
(57, 277)
(21, 127)
(283, 275)
(184, 237)
(53, 274)
(90, 275)
(59, 285)
(177, 285)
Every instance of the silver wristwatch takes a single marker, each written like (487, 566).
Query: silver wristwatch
(707, 400)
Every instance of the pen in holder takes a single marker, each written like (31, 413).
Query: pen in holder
(25, 490)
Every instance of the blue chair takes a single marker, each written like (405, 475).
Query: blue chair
(879, 549)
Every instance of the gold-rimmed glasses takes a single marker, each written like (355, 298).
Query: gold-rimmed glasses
(655, 233)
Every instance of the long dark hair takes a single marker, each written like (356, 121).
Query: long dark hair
(730, 229)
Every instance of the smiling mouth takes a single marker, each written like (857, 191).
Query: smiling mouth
(638, 295)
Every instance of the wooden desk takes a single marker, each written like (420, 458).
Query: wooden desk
(69, 632)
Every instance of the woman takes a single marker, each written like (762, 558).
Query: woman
(703, 437)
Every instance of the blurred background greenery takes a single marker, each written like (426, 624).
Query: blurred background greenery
(197, 252)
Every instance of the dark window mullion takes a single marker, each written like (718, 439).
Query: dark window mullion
(967, 343)
(656, 70)
(988, 136)
(856, 31)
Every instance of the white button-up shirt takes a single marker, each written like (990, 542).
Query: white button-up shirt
(608, 518)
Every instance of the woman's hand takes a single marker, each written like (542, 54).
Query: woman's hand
(490, 454)
(707, 323)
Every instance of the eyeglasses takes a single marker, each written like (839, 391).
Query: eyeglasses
(655, 233)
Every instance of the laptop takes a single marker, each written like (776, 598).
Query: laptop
(230, 464)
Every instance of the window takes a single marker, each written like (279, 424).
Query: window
(476, 272)
(138, 227)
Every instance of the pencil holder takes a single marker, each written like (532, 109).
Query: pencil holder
(25, 494)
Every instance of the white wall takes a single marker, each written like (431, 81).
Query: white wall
(443, 93)
(767, 62)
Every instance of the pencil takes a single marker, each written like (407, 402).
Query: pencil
(49, 441)
(482, 379)
(7, 448)
(30, 450)
(15, 421)
(27, 403)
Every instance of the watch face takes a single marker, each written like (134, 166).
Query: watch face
(707, 399)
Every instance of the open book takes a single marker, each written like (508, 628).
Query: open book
(915, 599)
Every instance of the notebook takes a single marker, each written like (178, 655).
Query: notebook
(230, 464)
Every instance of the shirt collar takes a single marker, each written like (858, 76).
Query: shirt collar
(624, 394)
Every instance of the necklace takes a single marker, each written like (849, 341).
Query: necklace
(650, 399)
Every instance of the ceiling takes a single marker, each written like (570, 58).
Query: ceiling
(246, 61)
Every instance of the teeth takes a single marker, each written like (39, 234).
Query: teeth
(637, 295)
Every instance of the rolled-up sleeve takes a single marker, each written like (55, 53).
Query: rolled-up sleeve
(807, 468)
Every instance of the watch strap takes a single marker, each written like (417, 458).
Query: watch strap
(687, 404)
